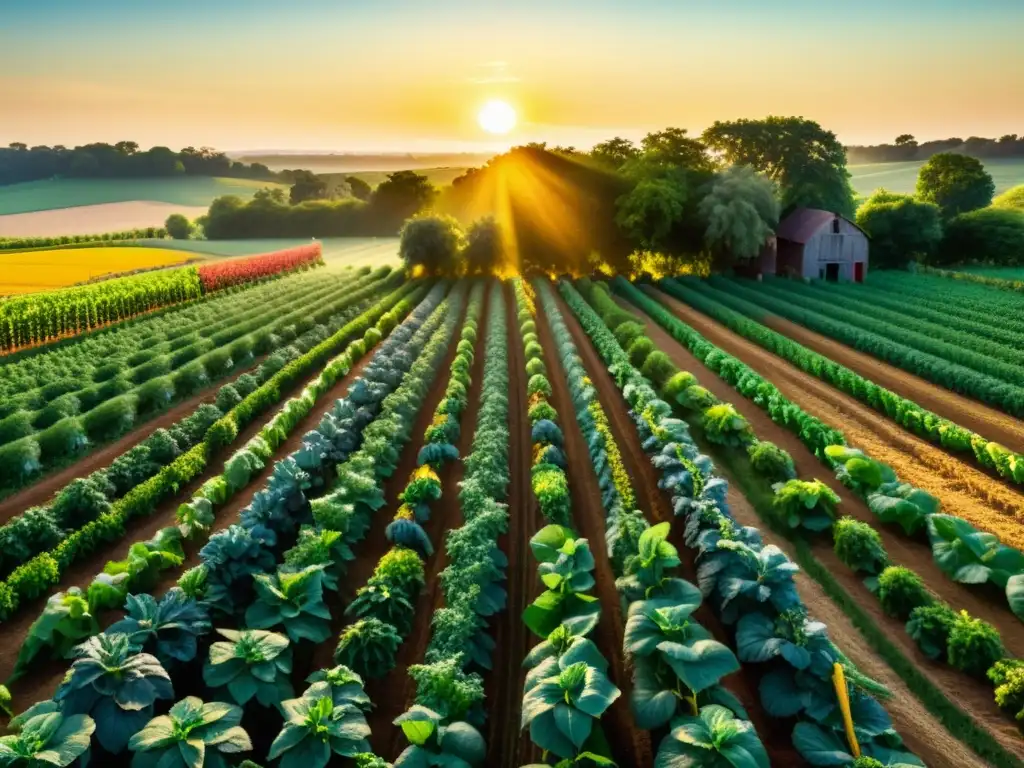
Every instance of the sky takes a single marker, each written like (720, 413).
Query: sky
(411, 75)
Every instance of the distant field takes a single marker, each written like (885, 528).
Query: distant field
(902, 177)
(354, 251)
(439, 177)
(93, 219)
(30, 271)
(66, 193)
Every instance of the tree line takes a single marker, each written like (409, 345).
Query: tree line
(905, 148)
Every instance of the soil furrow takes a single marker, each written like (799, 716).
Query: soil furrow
(504, 683)
(974, 696)
(630, 745)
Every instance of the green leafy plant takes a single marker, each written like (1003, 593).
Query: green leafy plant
(646, 572)
(345, 685)
(859, 546)
(193, 734)
(368, 646)
(116, 686)
(970, 556)
(316, 727)
(169, 627)
(566, 568)
(824, 746)
(195, 517)
(974, 645)
(714, 737)
(724, 425)
(551, 487)
(65, 621)
(445, 688)
(47, 740)
(900, 591)
(293, 601)
(930, 626)
(251, 663)
(806, 504)
(1008, 677)
(771, 462)
(433, 743)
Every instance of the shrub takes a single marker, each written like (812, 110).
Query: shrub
(696, 398)
(974, 645)
(626, 332)
(112, 388)
(193, 377)
(535, 367)
(771, 462)
(677, 384)
(1008, 677)
(58, 408)
(163, 448)
(639, 349)
(658, 368)
(724, 425)
(17, 425)
(538, 384)
(155, 394)
(551, 488)
(80, 502)
(859, 546)
(542, 410)
(65, 438)
(930, 626)
(228, 397)
(530, 338)
(158, 366)
(217, 362)
(900, 591)
(246, 384)
(534, 351)
(110, 419)
(991, 235)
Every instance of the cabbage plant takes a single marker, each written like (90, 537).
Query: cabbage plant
(345, 685)
(66, 620)
(293, 601)
(806, 504)
(432, 743)
(116, 686)
(195, 517)
(647, 570)
(251, 663)
(193, 734)
(47, 740)
(713, 737)
(802, 643)
(903, 504)
(316, 727)
(857, 471)
(970, 556)
(566, 568)
(168, 627)
(826, 746)
(750, 579)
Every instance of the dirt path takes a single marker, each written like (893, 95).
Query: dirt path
(974, 695)
(656, 506)
(630, 745)
(387, 740)
(970, 493)
(503, 685)
(41, 682)
(983, 419)
(43, 491)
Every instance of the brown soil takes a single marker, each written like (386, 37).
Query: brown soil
(986, 503)
(629, 745)
(400, 689)
(975, 696)
(48, 486)
(983, 419)
(656, 505)
(40, 683)
(503, 685)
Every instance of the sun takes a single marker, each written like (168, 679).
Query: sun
(497, 117)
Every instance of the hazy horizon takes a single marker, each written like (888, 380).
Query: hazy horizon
(399, 76)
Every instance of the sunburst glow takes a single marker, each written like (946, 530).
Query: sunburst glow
(497, 117)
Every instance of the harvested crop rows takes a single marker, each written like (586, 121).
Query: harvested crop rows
(497, 522)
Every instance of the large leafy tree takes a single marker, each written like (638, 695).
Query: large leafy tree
(615, 152)
(649, 212)
(806, 161)
(431, 242)
(741, 211)
(673, 147)
(485, 251)
(991, 235)
(956, 183)
(901, 227)
(402, 195)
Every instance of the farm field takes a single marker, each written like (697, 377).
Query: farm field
(351, 251)
(1002, 273)
(92, 219)
(493, 500)
(902, 177)
(43, 270)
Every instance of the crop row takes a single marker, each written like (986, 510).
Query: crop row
(85, 241)
(749, 585)
(218, 275)
(37, 575)
(958, 369)
(76, 419)
(964, 554)
(40, 317)
(975, 302)
(239, 581)
(992, 282)
(740, 316)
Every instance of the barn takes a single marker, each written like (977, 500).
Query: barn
(818, 244)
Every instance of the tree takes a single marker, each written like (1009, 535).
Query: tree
(178, 227)
(360, 189)
(901, 227)
(484, 253)
(650, 211)
(267, 195)
(989, 235)
(615, 152)
(431, 242)
(307, 186)
(673, 147)
(741, 212)
(956, 183)
(399, 197)
(127, 147)
(806, 161)
(905, 140)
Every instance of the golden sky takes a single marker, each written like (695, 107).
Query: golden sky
(390, 75)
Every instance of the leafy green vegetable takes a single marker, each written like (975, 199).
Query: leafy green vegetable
(432, 743)
(368, 646)
(169, 627)
(47, 740)
(193, 734)
(316, 727)
(970, 556)
(252, 663)
(566, 568)
(806, 504)
(714, 737)
(293, 601)
(65, 621)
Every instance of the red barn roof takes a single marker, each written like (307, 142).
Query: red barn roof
(803, 223)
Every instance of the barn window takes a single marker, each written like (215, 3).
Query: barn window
(835, 225)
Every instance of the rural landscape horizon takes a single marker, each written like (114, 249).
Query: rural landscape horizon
(577, 384)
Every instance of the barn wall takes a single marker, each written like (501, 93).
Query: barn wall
(825, 247)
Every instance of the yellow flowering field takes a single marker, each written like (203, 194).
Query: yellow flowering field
(28, 271)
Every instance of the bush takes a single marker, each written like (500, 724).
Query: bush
(658, 368)
(930, 626)
(974, 645)
(538, 384)
(535, 367)
(724, 425)
(626, 332)
(163, 448)
(80, 502)
(192, 377)
(155, 394)
(639, 349)
(65, 438)
(227, 398)
(542, 410)
(771, 462)
(158, 366)
(432, 242)
(18, 460)
(178, 227)
(58, 408)
(534, 351)
(246, 384)
(1008, 677)
(991, 235)
(17, 425)
(900, 591)
(677, 384)
(551, 487)
(528, 327)
(217, 362)
(859, 546)
(110, 419)
(696, 398)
